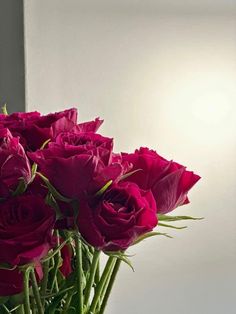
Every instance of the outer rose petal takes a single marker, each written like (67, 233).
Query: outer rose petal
(12, 280)
(90, 126)
(70, 176)
(168, 180)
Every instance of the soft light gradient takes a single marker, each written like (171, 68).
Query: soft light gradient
(162, 75)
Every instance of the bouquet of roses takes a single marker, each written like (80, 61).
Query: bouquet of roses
(66, 198)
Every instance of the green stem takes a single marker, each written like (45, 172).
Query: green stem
(68, 301)
(90, 282)
(101, 284)
(45, 280)
(79, 270)
(36, 292)
(26, 290)
(19, 309)
(105, 287)
(110, 285)
(4, 309)
(56, 259)
(97, 274)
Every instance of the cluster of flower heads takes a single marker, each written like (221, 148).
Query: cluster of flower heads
(110, 199)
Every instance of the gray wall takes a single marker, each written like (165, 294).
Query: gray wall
(163, 75)
(12, 71)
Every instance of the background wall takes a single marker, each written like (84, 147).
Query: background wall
(162, 74)
(12, 67)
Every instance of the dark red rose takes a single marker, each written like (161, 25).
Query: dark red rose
(123, 213)
(26, 224)
(76, 163)
(14, 164)
(168, 180)
(11, 281)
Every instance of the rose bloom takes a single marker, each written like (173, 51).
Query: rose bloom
(34, 129)
(168, 180)
(78, 163)
(14, 163)
(118, 218)
(26, 225)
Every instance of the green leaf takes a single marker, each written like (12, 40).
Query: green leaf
(176, 218)
(122, 256)
(150, 234)
(104, 188)
(21, 188)
(54, 192)
(171, 226)
(3, 300)
(58, 249)
(125, 176)
(4, 309)
(7, 266)
(4, 109)
(50, 200)
(35, 166)
(45, 143)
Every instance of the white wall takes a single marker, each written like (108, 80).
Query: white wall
(164, 77)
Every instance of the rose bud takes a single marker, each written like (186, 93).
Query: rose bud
(26, 224)
(122, 214)
(168, 180)
(14, 163)
(66, 255)
(78, 163)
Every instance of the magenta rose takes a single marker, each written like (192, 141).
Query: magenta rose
(77, 163)
(89, 126)
(122, 214)
(48, 127)
(18, 123)
(12, 280)
(35, 129)
(26, 224)
(168, 180)
(14, 164)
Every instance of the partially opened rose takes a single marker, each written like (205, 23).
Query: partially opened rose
(168, 180)
(118, 218)
(26, 225)
(14, 164)
(78, 163)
